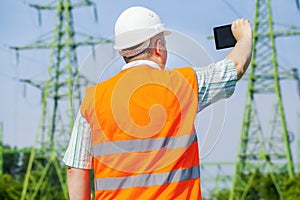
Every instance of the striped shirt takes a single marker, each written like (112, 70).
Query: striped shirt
(215, 82)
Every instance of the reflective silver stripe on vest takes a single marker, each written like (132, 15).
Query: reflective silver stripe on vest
(143, 145)
(147, 179)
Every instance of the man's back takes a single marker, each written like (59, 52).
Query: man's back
(144, 145)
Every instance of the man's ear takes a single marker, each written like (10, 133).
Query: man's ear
(158, 47)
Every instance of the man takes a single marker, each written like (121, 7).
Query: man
(136, 128)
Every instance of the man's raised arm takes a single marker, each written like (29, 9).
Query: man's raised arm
(241, 54)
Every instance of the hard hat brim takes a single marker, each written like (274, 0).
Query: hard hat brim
(124, 40)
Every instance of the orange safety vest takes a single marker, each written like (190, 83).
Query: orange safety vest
(143, 137)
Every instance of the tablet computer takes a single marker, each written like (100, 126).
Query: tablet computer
(223, 37)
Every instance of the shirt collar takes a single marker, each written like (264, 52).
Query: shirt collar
(140, 62)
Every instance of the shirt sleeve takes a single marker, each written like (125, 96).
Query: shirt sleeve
(215, 82)
(78, 153)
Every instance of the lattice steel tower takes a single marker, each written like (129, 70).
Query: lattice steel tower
(262, 149)
(57, 111)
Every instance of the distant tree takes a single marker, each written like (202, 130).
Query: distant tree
(10, 187)
(291, 188)
(263, 187)
(10, 161)
(14, 169)
(24, 159)
(222, 194)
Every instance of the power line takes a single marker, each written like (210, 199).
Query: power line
(237, 13)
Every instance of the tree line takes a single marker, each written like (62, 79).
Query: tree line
(15, 166)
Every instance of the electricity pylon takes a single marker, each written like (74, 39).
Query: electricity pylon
(57, 111)
(261, 150)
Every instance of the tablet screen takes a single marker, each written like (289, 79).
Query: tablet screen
(224, 37)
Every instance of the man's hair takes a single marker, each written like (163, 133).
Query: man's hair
(147, 52)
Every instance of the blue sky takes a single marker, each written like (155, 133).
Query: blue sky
(20, 105)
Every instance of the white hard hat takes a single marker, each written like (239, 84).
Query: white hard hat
(136, 25)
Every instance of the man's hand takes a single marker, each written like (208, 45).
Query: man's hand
(241, 28)
(241, 54)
